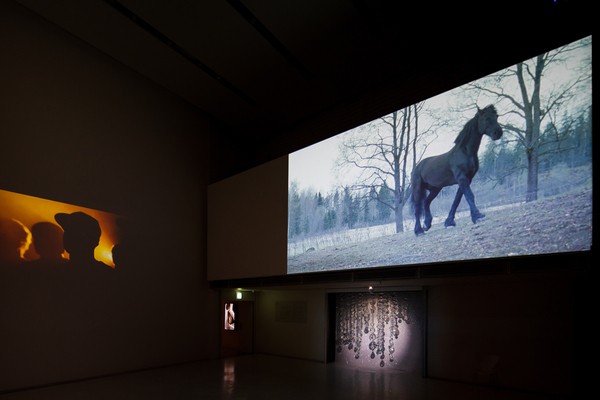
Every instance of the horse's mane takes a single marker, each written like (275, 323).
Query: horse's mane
(470, 127)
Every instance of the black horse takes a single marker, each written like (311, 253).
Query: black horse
(457, 166)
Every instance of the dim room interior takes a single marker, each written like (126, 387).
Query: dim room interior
(220, 200)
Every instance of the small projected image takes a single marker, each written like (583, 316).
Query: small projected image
(230, 315)
(42, 233)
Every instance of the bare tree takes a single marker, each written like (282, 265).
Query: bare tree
(381, 151)
(535, 100)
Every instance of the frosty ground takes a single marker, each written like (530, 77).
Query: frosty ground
(558, 224)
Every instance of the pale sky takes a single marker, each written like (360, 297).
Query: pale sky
(313, 166)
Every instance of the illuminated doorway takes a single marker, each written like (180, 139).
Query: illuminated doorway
(237, 328)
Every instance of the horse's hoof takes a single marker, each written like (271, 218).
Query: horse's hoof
(419, 233)
(448, 224)
(478, 217)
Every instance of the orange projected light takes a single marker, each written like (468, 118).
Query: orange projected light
(29, 210)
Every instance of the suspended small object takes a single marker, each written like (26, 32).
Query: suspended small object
(371, 317)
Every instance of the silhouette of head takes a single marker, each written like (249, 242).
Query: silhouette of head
(47, 240)
(81, 233)
(15, 239)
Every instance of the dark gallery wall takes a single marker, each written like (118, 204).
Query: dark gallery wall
(78, 127)
(292, 323)
(517, 332)
(239, 207)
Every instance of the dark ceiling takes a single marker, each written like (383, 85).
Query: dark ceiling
(263, 69)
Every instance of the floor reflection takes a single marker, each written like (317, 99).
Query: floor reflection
(263, 377)
(228, 376)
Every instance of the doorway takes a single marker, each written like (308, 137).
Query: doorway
(237, 328)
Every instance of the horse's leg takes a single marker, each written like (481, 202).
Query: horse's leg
(457, 198)
(475, 213)
(418, 194)
(428, 217)
(418, 211)
(465, 186)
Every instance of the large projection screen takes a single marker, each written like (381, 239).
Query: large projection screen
(350, 195)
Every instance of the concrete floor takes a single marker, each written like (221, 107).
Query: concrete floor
(265, 377)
